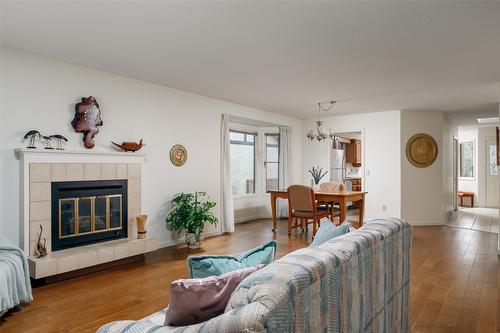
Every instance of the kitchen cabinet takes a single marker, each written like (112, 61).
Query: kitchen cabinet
(353, 153)
(356, 184)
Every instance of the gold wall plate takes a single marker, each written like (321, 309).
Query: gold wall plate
(421, 150)
(178, 155)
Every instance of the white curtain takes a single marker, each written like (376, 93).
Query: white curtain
(285, 164)
(227, 207)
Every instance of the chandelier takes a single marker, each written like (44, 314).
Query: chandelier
(319, 132)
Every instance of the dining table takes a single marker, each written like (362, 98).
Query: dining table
(341, 198)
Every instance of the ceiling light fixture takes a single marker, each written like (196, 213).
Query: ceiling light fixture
(318, 133)
(491, 120)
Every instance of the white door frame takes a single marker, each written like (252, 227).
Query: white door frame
(455, 173)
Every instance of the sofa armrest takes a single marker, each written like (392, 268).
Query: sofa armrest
(246, 319)
(152, 322)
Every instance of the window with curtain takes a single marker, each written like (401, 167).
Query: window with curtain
(242, 150)
(466, 151)
(272, 161)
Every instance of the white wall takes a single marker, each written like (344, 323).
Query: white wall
(469, 118)
(466, 134)
(422, 198)
(40, 93)
(381, 160)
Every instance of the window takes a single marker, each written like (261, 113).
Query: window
(493, 160)
(242, 150)
(466, 150)
(272, 161)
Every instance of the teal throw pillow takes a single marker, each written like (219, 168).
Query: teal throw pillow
(209, 265)
(328, 230)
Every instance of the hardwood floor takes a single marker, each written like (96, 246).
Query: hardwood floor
(454, 283)
(481, 219)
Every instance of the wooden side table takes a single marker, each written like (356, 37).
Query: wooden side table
(463, 194)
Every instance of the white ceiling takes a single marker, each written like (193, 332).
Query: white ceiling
(468, 118)
(280, 56)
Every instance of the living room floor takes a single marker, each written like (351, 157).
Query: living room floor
(454, 284)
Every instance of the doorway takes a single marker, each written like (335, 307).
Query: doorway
(346, 164)
(475, 168)
(346, 160)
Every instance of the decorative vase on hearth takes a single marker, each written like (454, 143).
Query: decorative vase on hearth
(141, 226)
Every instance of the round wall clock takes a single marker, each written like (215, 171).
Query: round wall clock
(421, 150)
(178, 155)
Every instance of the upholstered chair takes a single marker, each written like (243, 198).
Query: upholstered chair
(302, 206)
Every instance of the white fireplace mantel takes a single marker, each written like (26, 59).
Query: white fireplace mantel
(29, 156)
(40, 155)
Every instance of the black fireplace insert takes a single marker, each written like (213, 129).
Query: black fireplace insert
(86, 212)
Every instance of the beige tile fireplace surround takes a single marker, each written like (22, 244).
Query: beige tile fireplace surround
(40, 169)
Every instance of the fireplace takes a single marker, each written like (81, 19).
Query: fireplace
(86, 212)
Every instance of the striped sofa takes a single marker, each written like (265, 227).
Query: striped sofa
(358, 282)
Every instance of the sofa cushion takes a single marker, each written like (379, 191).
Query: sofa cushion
(208, 265)
(328, 230)
(193, 301)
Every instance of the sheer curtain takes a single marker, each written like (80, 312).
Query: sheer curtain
(285, 163)
(227, 207)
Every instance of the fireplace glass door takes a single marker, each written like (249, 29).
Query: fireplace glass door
(67, 209)
(86, 215)
(101, 213)
(85, 212)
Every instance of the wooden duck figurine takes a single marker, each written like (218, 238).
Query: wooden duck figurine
(130, 146)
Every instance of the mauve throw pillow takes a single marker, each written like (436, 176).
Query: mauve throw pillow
(193, 301)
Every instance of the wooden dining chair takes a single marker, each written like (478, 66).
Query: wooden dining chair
(302, 206)
(332, 187)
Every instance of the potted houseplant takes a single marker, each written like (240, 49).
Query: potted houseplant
(189, 212)
(317, 174)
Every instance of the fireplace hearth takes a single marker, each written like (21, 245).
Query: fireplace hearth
(86, 212)
(111, 173)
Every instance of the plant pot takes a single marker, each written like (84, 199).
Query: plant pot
(316, 188)
(192, 241)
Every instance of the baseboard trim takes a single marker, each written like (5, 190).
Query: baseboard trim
(174, 242)
(84, 271)
(169, 243)
(247, 218)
